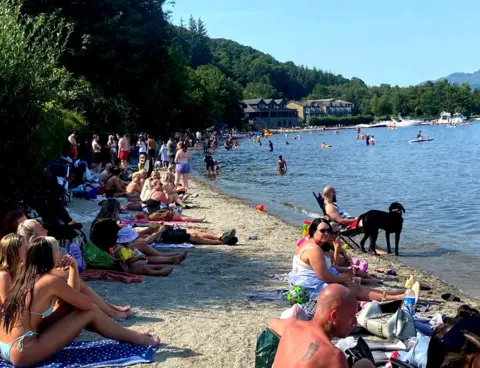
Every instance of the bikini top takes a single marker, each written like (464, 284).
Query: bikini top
(47, 313)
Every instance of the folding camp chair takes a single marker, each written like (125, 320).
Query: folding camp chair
(345, 234)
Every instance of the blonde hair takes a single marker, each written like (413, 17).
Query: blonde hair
(9, 260)
(27, 229)
(136, 175)
(53, 242)
(111, 138)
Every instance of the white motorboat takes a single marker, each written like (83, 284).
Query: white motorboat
(403, 123)
(446, 118)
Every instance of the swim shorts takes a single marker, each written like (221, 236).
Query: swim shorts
(124, 155)
(183, 168)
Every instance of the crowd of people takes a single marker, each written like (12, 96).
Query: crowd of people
(45, 304)
(321, 266)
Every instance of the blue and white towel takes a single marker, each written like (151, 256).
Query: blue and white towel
(162, 245)
(93, 354)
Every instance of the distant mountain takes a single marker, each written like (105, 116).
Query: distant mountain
(471, 78)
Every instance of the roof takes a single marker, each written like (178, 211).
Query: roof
(254, 101)
(322, 102)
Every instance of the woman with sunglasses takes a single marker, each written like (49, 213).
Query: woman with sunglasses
(312, 267)
(31, 329)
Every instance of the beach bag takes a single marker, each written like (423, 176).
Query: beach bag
(359, 352)
(267, 345)
(96, 258)
(75, 251)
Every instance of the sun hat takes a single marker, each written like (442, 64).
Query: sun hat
(126, 235)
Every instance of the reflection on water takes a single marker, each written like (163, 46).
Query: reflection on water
(435, 181)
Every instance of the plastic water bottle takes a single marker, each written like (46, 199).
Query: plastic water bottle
(409, 301)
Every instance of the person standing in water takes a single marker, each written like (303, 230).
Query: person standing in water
(367, 140)
(270, 146)
(281, 165)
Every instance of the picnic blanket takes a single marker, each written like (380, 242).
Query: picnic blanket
(107, 275)
(93, 354)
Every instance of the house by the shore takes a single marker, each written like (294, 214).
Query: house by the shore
(324, 107)
(269, 113)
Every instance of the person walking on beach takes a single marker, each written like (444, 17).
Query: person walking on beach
(163, 155)
(152, 148)
(123, 151)
(73, 151)
(171, 151)
(309, 343)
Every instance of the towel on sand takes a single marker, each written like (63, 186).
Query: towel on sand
(162, 245)
(106, 275)
(103, 353)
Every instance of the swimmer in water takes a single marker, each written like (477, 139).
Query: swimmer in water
(281, 165)
(325, 145)
(371, 141)
(286, 142)
(270, 146)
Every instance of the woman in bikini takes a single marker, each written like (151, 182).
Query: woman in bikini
(182, 169)
(12, 253)
(31, 331)
(32, 229)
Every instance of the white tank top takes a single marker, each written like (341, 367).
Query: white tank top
(299, 265)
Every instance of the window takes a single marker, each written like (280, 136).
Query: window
(284, 123)
(289, 123)
(279, 123)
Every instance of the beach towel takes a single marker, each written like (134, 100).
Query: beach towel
(103, 353)
(107, 275)
(276, 296)
(162, 245)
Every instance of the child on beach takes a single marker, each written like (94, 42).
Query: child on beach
(134, 261)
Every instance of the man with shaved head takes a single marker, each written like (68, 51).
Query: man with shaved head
(307, 344)
(333, 211)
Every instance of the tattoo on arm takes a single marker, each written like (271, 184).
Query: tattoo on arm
(311, 350)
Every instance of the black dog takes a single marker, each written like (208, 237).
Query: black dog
(375, 220)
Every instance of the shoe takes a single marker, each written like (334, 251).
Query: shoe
(226, 236)
(355, 261)
(233, 241)
(363, 266)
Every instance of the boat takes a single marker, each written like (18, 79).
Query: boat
(381, 124)
(403, 123)
(446, 118)
(420, 140)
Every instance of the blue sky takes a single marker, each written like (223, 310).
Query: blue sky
(391, 41)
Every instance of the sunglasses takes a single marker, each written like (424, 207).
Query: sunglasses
(325, 231)
(455, 339)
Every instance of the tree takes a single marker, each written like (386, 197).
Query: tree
(259, 90)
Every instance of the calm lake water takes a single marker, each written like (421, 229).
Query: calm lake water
(437, 183)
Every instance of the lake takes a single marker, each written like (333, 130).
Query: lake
(435, 181)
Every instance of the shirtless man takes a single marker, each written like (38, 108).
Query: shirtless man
(73, 151)
(281, 165)
(123, 151)
(308, 344)
(135, 187)
(333, 211)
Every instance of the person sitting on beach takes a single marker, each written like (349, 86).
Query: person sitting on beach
(163, 198)
(309, 343)
(31, 230)
(114, 186)
(12, 255)
(313, 270)
(105, 174)
(456, 343)
(27, 336)
(134, 188)
(134, 261)
(12, 221)
(281, 165)
(325, 145)
(333, 211)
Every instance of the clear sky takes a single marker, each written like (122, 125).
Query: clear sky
(380, 41)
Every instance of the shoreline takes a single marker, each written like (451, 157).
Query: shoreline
(201, 311)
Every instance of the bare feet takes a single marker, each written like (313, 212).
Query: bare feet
(119, 316)
(145, 338)
(120, 308)
(180, 258)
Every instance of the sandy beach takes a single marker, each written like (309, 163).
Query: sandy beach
(201, 311)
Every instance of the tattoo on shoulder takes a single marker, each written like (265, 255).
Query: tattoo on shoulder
(311, 350)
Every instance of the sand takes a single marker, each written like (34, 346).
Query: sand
(201, 311)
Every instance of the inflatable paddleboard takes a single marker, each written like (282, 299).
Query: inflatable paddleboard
(420, 140)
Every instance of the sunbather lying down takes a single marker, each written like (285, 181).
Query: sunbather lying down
(175, 235)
